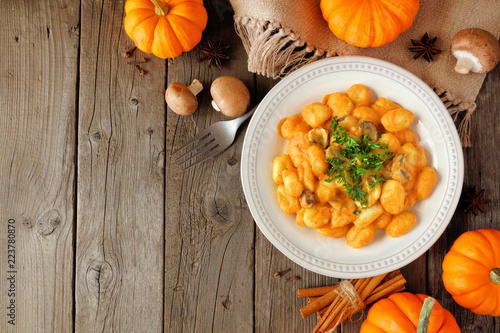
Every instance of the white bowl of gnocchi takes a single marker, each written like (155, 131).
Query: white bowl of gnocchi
(352, 167)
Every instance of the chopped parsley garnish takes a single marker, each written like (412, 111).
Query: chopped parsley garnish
(357, 158)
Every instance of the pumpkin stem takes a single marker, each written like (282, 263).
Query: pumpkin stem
(425, 314)
(495, 275)
(161, 8)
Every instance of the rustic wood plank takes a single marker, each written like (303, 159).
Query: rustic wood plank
(481, 170)
(209, 230)
(120, 207)
(38, 76)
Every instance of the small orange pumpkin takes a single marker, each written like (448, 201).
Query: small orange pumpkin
(400, 312)
(369, 23)
(471, 271)
(165, 28)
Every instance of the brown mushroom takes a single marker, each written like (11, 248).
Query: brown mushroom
(477, 50)
(307, 200)
(181, 99)
(367, 127)
(333, 154)
(230, 96)
(399, 169)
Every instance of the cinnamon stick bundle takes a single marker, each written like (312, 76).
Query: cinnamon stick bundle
(334, 304)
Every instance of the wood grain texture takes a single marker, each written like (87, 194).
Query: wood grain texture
(87, 139)
(120, 207)
(209, 231)
(38, 75)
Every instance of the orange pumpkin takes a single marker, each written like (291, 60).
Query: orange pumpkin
(400, 312)
(471, 271)
(165, 28)
(369, 23)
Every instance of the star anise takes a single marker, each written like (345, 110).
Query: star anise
(424, 48)
(214, 53)
(476, 202)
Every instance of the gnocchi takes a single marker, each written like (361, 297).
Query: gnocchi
(426, 181)
(340, 104)
(401, 224)
(397, 120)
(393, 196)
(352, 166)
(316, 114)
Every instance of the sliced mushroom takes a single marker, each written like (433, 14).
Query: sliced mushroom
(367, 127)
(318, 136)
(307, 200)
(399, 169)
(334, 153)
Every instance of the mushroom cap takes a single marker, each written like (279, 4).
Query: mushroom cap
(480, 46)
(180, 99)
(230, 95)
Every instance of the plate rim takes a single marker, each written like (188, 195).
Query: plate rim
(352, 63)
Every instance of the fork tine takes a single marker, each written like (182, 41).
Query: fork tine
(207, 148)
(199, 145)
(197, 137)
(210, 154)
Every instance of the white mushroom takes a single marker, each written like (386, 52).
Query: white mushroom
(477, 50)
(230, 96)
(318, 136)
(181, 99)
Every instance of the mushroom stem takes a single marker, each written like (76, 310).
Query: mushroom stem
(195, 87)
(464, 65)
(214, 105)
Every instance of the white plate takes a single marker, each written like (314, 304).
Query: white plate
(433, 125)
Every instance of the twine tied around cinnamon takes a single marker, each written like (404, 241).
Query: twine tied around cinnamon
(336, 303)
(356, 305)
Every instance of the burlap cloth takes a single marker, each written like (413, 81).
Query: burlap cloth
(282, 35)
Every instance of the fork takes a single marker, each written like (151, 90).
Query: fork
(210, 142)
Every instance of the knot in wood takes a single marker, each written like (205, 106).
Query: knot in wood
(99, 277)
(232, 161)
(219, 210)
(96, 136)
(48, 222)
(134, 101)
(226, 303)
(27, 224)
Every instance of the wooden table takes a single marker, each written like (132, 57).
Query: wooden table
(111, 236)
